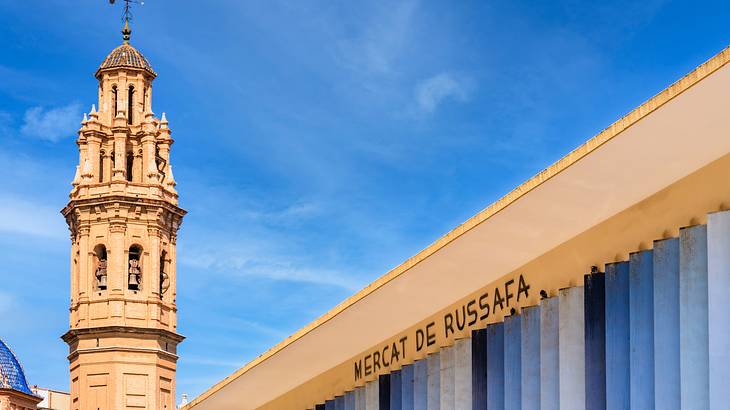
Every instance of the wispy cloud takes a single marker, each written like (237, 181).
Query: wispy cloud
(375, 49)
(6, 302)
(25, 217)
(241, 262)
(52, 124)
(434, 91)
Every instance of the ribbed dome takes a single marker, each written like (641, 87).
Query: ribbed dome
(11, 373)
(126, 56)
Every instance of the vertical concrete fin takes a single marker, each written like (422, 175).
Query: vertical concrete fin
(617, 336)
(549, 354)
(513, 363)
(433, 362)
(340, 403)
(495, 366)
(372, 395)
(462, 374)
(407, 379)
(718, 308)
(571, 349)
(641, 330)
(420, 385)
(530, 346)
(360, 398)
(594, 311)
(396, 390)
(693, 332)
(479, 369)
(447, 378)
(383, 392)
(350, 400)
(666, 324)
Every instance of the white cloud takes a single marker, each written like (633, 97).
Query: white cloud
(242, 263)
(431, 92)
(384, 35)
(51, 124)
(6, 302)
(25, 217)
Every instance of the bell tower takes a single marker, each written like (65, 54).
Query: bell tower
(123, 215)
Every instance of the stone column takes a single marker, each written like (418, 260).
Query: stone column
(93, 149)
(120, 149)
(84, 264)
(117, 264)
(151, 272)
(149, 168)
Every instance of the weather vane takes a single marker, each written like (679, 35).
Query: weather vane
(126, 17)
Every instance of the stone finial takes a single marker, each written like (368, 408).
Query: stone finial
(169, 178)
(77, 177)
(163, 121)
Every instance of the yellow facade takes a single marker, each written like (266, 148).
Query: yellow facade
(123, 216)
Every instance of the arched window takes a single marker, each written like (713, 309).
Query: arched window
(164, 276)
(130, 104)
(114, 101)
(101, 166)
(130, 165)
(134, 273)
(100, 265)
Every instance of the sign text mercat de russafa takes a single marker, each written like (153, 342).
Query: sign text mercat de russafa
(464, 316)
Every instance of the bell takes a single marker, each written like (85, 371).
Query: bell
(102, 282)
(134, 279)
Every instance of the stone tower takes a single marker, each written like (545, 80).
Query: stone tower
(123, 216)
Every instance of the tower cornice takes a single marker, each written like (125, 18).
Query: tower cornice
(73, 334)
(121, 199)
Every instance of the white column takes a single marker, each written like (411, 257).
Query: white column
(641, 330)
(513, 363)
(530, 362)
(462, 375)
(572, 349)
(360, 398)
(693, 337)
(666, 324)
(406, 376)
(617, 337)
(372, 398)
(350, 400)
(433, 362)
(718, 308)
(447, 387)
(549, 359)
(420, 384)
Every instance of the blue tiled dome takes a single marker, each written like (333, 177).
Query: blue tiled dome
(11, 373)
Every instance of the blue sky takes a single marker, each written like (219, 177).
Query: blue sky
(318, 144)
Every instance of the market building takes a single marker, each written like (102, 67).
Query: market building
(599, 283)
